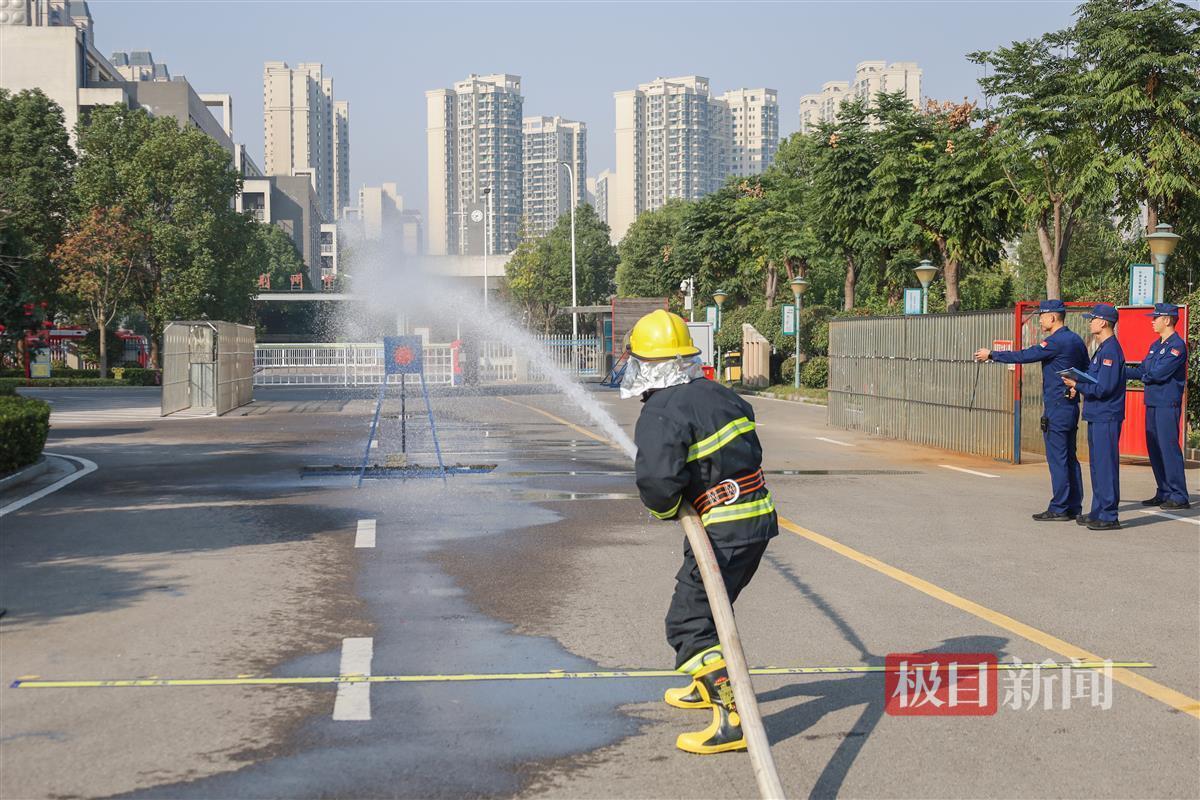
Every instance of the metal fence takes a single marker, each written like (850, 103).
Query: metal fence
(176, 367)
(913, 378)
(361, 364)
(235, 366)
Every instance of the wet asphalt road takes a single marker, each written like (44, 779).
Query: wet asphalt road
(198, 550)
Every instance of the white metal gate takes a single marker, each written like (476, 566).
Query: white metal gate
(361, 363)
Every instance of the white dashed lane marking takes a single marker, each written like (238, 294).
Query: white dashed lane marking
(1188, 520)
(353, 702)
(833, 441)
(365, 535)
(968, 471)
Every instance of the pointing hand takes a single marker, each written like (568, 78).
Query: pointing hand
(983, 354)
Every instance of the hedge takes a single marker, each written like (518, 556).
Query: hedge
(8, 386)
(24, 423)
(136, 376)
(59, 383)
(814, 373)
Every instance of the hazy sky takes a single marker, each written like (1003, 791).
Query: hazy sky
(571, 56)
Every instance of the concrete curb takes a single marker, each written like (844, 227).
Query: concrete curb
(791, 398)
(26, 474)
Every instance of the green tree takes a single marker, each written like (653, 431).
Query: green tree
(1141, 61)
(648, 266)
(1046, 147)
(176, 186)
(276, 256)
(539, 271)
(96, 261)
(839, 201)
(938, 184)
(36, 164)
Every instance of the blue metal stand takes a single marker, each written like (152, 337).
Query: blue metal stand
(437, 447)
(371, 437)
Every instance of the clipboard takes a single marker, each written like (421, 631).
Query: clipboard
(1076, 375)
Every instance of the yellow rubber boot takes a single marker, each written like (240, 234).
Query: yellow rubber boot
(690, 696)
(724, 732)
(686, 696)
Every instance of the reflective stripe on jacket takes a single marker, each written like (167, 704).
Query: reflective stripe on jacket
(689, 439)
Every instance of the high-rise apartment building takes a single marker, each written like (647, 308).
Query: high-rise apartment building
(754, 129)
(604, 181)
(475, 142)
(550, 142)
(870, 78)
(341, 156)
(673, 141)
(299, 132)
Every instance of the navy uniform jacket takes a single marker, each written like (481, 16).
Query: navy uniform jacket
(1163, 371)
(1104, 400)
(690, 438)
(1060, 350)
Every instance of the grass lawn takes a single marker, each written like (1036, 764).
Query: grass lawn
(788, 392)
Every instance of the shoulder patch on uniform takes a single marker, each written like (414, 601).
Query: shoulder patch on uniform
(1174, 351)
(1043, 342)
(1108, 362)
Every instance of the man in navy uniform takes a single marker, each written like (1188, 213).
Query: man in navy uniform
(1060, 348)
(1104, 411)
(1163, 371)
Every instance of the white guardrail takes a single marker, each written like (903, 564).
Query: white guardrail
(361, 364)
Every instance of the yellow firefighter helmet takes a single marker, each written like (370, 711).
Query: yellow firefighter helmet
(661, 334)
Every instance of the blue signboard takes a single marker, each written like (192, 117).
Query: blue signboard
(402, 355)
(912, 301)
(1141, 284)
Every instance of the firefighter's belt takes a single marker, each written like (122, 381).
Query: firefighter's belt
(727, 492)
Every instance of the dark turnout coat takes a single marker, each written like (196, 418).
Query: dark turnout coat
(692, 437)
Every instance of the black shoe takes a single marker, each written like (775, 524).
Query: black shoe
(1171, 505)
(1050, 516)
(1154, 501)
(1082, 519)
(1100, 525)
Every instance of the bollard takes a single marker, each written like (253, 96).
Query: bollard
(731, 646)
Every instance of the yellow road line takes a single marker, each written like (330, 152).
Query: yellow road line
(33, 683)
(1163, 694)
(571, 425)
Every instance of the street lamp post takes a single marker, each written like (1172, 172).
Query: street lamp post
(925, 274)
(799, 285)
(1162, 244)
(574, 292)
(719, 296)
(487, 243)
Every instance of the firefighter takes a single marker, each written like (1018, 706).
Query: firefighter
(697, 444)
(1104, 412)
(1059, 349)
(1164, 373)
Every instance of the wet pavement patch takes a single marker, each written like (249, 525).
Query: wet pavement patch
(551, 495)
(841, 472)
(397, 472)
